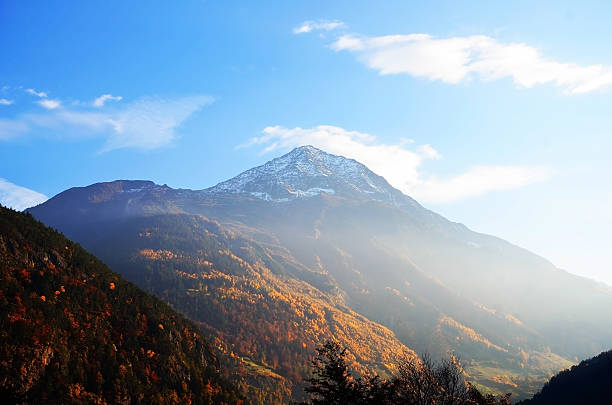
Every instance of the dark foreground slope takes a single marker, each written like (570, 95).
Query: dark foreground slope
(73, 331)
(590, 382)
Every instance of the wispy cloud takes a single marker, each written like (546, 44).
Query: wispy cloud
(147, 123)
(17, 197)
(477, 181)
(33, 92)
(151, 122)
(99, 102)
(12, 128)
(400, 163)
(457, 59)
(4, 101)
(50, 104)
(319, 25)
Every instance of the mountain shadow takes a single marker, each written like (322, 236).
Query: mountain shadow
(589, 382)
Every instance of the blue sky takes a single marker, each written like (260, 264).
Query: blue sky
(492, 114)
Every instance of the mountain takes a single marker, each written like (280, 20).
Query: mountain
(73, 331)
(317, 228)
(239, 294)
(585, 383)
(308, 172)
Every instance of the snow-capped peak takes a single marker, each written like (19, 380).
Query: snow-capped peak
(307, 171)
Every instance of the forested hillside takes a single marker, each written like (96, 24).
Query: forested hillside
(238, 292)
(589, 382)
(73, 331)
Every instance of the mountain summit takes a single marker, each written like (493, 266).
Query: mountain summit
(306, 172)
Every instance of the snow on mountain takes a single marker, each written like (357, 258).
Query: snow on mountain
(306, 172)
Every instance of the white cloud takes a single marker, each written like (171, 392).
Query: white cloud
(429, 152)
(70, 122)
(150, 122)
(40, 94)
(319, 25)
(50, 104)
(12, 128)
(4, 101)
(477, 181)
(399, 165)
(147, 123)
(457, 59)
(99, 102)
(19, 198)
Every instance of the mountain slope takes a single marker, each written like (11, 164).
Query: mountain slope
(72, 331)
(339, 231)
(238, 292)
(585, 383)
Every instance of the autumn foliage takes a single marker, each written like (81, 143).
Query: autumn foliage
(73, 331)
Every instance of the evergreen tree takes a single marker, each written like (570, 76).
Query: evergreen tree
(331, 382)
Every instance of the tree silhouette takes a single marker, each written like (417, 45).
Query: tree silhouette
(331, 382)
(418, 382)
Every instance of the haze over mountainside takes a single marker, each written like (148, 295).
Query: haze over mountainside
(240, 294)
(73, 331)
(311, 245)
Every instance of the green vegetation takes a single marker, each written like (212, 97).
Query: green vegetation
(73, 331)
